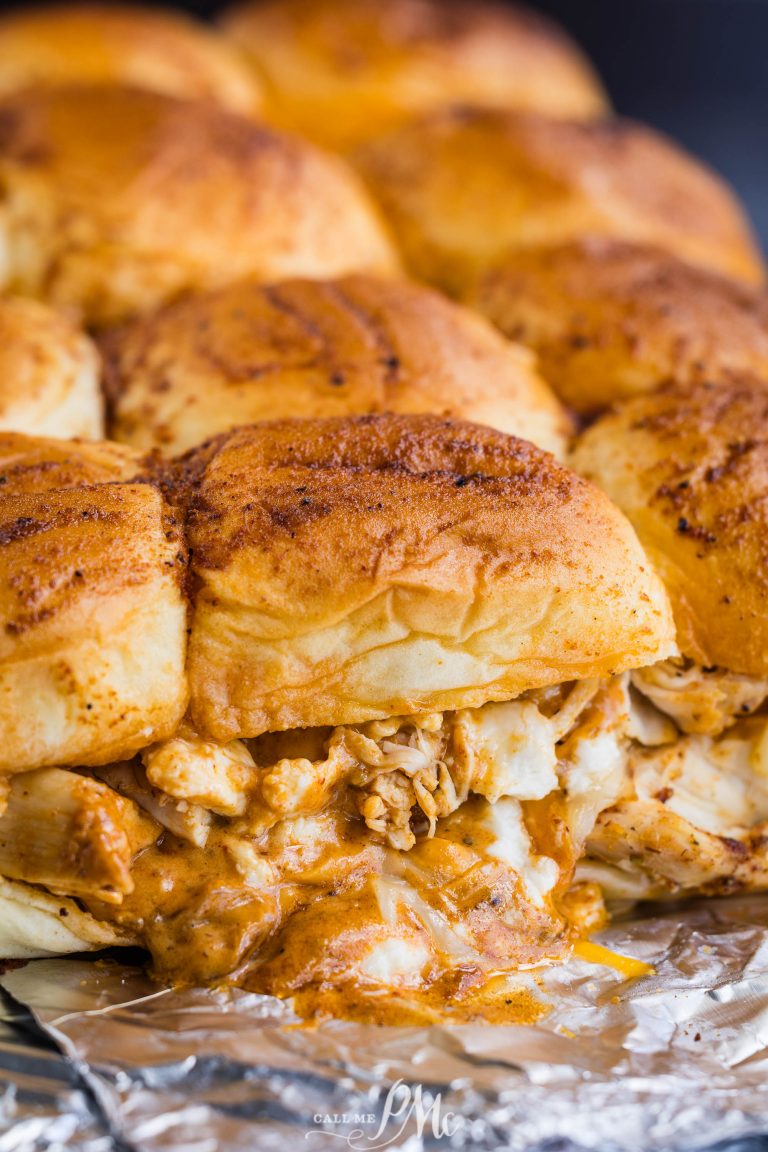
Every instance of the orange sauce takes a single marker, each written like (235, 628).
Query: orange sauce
(495, 1001)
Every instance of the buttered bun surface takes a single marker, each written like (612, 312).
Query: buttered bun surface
(92, 43)
(366, 567)
(348, 346)
(93, 635)
(689, 467)
(464, 187)
(609, 319)
(339, 71)
(118, 199)
(49, 373)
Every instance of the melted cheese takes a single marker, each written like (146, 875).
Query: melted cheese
(396, 962)
(511, 843)
(514, 751)
(596, 954)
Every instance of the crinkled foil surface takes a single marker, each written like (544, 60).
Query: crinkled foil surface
(673, 1061)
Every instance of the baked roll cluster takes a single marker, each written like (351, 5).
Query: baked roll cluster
(320, 671)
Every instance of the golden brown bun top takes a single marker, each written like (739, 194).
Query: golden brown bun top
(340, 71)
(689, 466)
(386, 564)
(353, 345)
(610, 319)
(118, 199)
(57, 495)
(30, 464)
(464, 187)
(123, 44)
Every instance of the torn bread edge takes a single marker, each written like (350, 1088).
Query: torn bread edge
(35, 924)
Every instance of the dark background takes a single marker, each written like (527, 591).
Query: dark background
(698, 68)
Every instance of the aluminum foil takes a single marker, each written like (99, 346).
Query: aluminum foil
(674, 1061)
(43, 1106)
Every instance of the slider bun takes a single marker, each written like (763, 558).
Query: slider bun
(340, 70)
(116, 200)
(122, 44)
(33, 923)
(689, 467)
(49, 373)
(464, 187)
(92, 615)
(609, 319)
(365, 567)
(308, 348)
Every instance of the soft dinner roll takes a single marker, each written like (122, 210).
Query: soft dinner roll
(318, 348)
(463, 187)
(92, 642)
(689, 466)
(49, 373)
(610, 319)
(352, 569)
(122, 44)
(340, 70)
(117, 199)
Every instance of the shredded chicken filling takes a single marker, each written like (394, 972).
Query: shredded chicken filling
(472, 819)
(693, 810)
(386, 847)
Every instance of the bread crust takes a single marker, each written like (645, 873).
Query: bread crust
(49, 373)
(84, 43)
(117, 200)
(349, 346)
(339, 71)
(92, 606)
(609, 319)
(32, 465)
(359, 568)
(463, 187)
(688, 466)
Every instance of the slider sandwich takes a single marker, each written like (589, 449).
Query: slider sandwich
(44, 45)
(117, 199)
(609, 319)
(467, 187)
(349, 346)
(375, 761)
(689, 466)
(338, 71)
